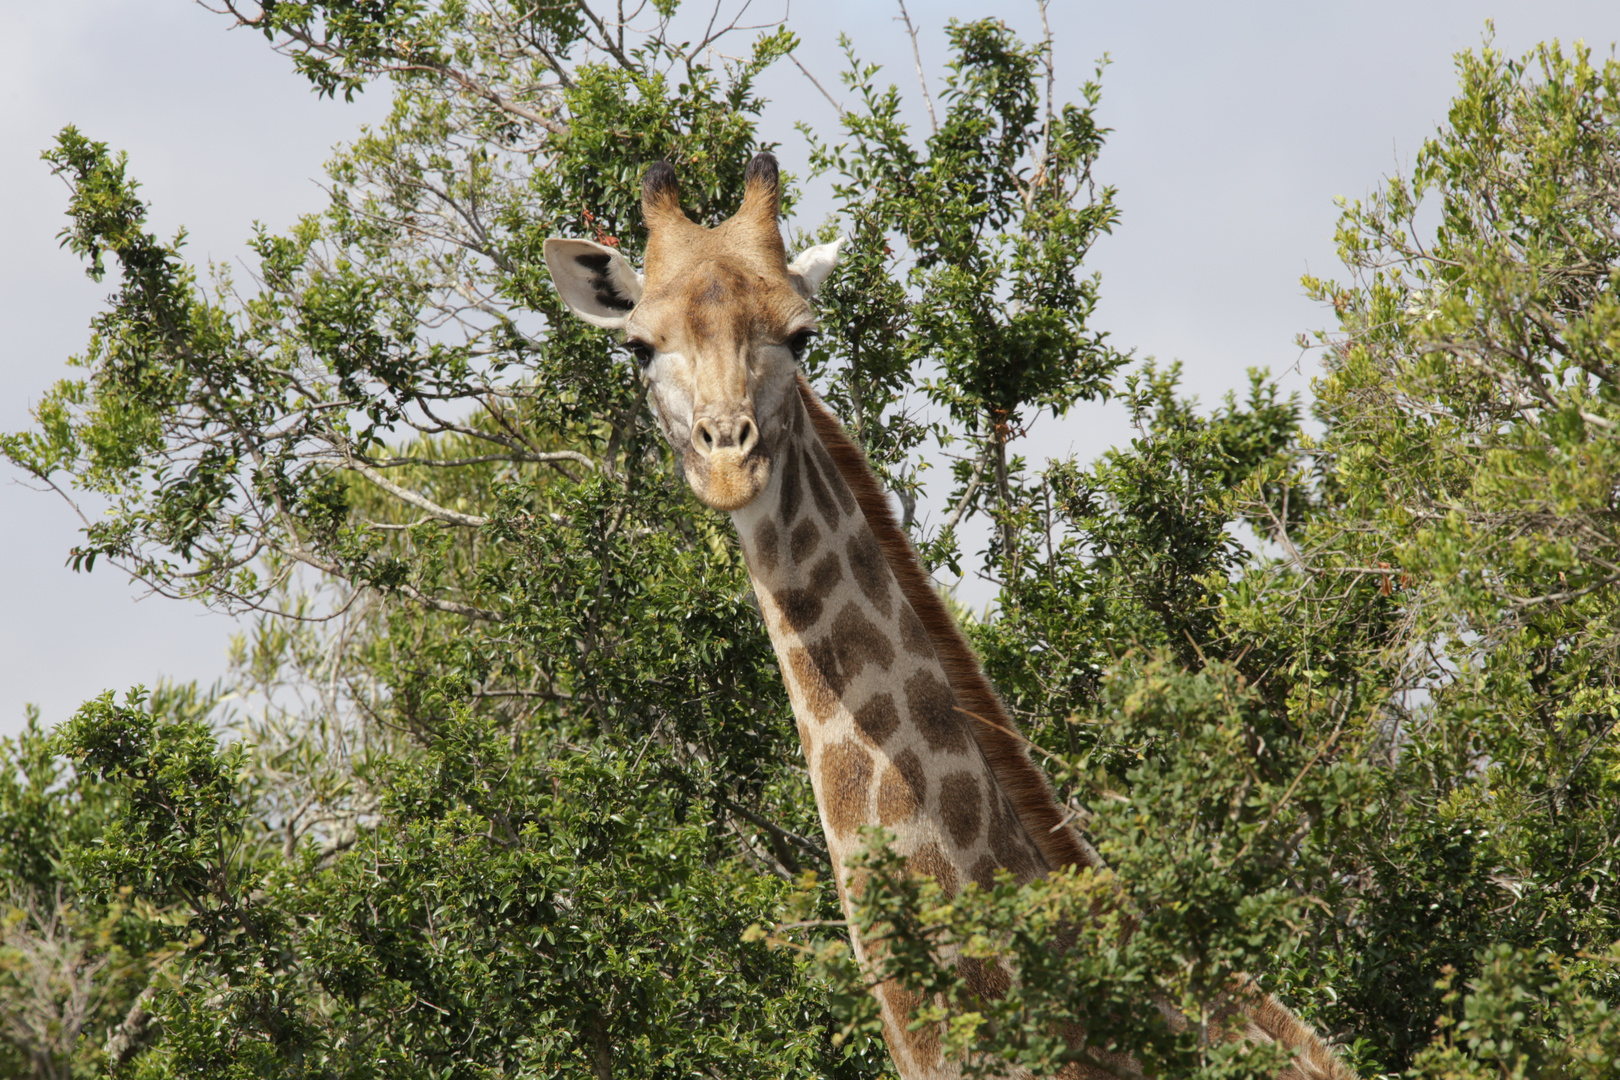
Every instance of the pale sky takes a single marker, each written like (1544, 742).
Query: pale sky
(1235, 126)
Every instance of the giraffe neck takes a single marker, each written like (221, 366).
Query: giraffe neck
(883, 733)
(901, 729)
(885, 738)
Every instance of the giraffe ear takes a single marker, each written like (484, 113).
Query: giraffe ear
(811, 268)
(596, 282)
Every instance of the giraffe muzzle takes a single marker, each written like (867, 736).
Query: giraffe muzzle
(726, 464)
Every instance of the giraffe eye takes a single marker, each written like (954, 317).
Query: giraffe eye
(801, 341)
(642, 351)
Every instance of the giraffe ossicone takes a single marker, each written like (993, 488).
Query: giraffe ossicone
(899, 725)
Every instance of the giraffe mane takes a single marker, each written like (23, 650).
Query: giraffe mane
(995, 731)
(1313, 1060)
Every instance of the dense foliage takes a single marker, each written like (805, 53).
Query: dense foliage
(506, 783)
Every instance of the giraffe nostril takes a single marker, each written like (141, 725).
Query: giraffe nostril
(703, 437)
(747, 436)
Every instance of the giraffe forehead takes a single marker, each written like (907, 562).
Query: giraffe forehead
(720, 304)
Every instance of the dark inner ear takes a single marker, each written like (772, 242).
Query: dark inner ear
(607, 293)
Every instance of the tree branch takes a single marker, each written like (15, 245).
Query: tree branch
(420, 502)
(916, 54)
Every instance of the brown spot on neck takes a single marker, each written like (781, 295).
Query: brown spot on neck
(805, 539)
(871, 572)
(913, 635)
(801, 605)
(820, 492)
(790, 487)
(903, 790)
(846, 781)
(933, 712)
(818, 696)
(877, 719)
(921, 1045)
(930, 860)
(986, 980)
(1009, 843)
(848, 646)
(840, 490)
(961, 807)
(766, 542)
(984, 871)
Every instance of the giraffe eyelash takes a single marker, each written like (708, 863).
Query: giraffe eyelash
(801, 341)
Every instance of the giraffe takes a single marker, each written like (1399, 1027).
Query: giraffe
(900, 728)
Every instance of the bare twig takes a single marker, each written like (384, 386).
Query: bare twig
(967, 496)
(420, 502)
(517, 458)
(810, 847)
(817, 84)
(916, 54)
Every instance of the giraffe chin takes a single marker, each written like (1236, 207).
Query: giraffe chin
(728, 480)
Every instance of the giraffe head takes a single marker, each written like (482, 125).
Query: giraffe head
(717, 322)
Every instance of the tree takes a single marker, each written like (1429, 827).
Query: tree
(1469, 402)
(498, 804)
